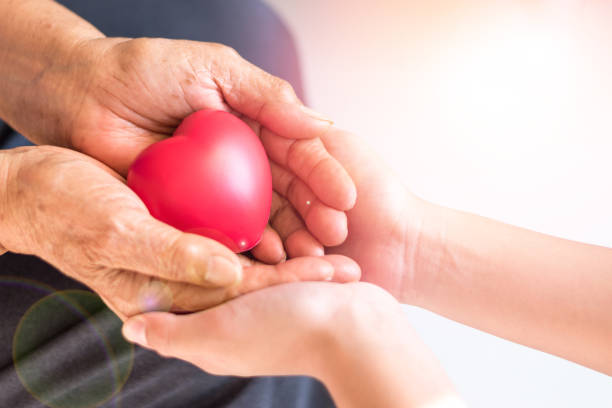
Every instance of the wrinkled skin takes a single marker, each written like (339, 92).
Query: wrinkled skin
(129, 93)
(79, 215)
(110, 98)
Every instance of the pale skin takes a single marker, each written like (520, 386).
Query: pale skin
(544, 292)
(537, 290)
(63, 83)
(353, 337)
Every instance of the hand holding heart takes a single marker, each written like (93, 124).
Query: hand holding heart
(118, 118)
(79, 215)
(116, 97)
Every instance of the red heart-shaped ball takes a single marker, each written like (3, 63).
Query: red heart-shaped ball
(212, 178)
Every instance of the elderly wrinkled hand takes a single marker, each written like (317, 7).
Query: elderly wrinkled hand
(79, 215)
(116, 96)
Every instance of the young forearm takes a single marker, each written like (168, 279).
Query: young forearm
(386, 365)
(544, 292)
(38, 66)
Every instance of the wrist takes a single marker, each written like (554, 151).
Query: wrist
(39, 66)
(3, 188)
(423, 249)
(374, 344)
(8, 159)
(344, 335)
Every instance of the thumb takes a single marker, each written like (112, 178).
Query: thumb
(153, 248)
(168, 334)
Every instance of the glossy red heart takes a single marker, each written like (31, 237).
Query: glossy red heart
(212, 178)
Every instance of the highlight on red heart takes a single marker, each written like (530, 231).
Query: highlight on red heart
(211, 178)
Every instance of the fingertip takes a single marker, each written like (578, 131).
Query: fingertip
(316, 115)
(351, 196)
(203, 261)
(270, 249)
(302, 243)
(310, 268)
(333, 185)
(345, 269)
(294, 121)
(222, 272)
(134, 330)
(329, 225)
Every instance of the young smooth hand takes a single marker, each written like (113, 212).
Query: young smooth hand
(385, 223)
(346, 335)
(541, 291)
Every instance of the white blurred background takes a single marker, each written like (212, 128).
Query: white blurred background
(501, 108)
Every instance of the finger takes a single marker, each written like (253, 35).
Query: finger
(326, 224)
(152, 330)
(258, 276)
(133, 293)
(270, 249)
(153, 248)
(345, 269)
(201, 338)
(302, 243)
(312, 163)
(181, 336)
(265, 98)
(290, 227)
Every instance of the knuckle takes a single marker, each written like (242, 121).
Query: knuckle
(225, 51)
(35, 171)
(283, 89)
(107, 241)
(118, 224)
(144, 46)
(112, 230)
(292, 192)
(231, 52)
(134, 53)
(185, 248)
(187, 256)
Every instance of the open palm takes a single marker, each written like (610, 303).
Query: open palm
(384, 223)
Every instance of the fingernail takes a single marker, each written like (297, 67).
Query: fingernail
(223, 272)
(134, 331)
(328, 274)
(316, 115)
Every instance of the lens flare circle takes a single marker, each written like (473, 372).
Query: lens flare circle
(55, 358)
